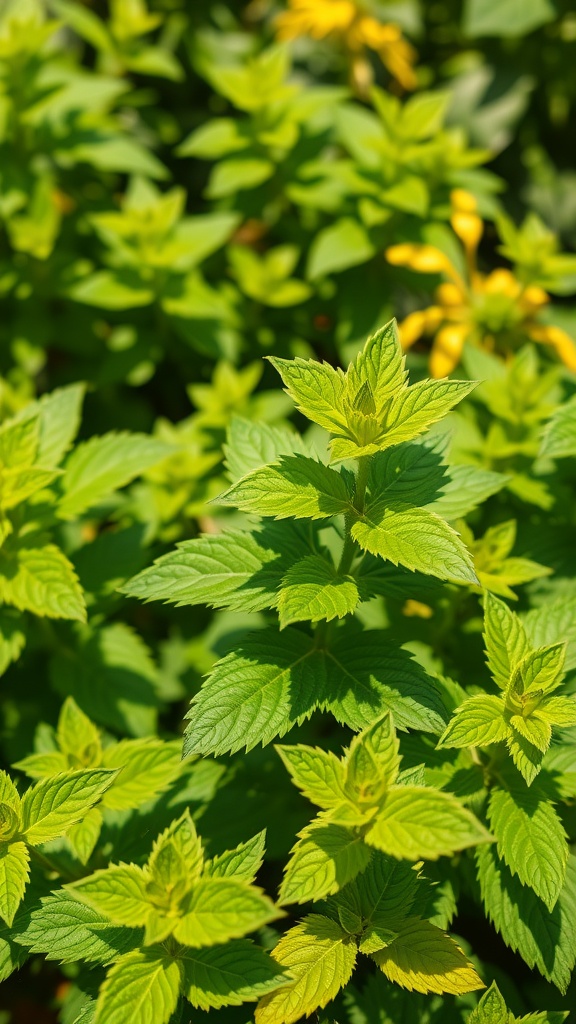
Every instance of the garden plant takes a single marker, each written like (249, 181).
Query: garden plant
(287, 512)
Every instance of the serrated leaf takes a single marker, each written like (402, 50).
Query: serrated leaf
(145, 768)
(102, 465)
(148, 981)
(540, 670)
(560, 711)
(479, 721)
(243, 862)
(53, 805)
(367, 677)
(491, 1009)
(424, 959)
(251, 445)
(14, 873)
(295, 486)
(177, 856)
(527, 755)
(505, 640)
(64, 929)
(530, 839)
(313, 590)
(324, 859)
(232, 570)
(418, 822)
(19, 442)
(77, 735)
(372, 762)
(219, 909)
(381, 363)
(118, 893)
(256, 693)
(384, 894)
(416, 408)
(228, 975)
(320, 957)
(415, 538)
(316, 389)
(39, 578)
(84, 835)
(318, 773)
(544, 939)
(16, 485)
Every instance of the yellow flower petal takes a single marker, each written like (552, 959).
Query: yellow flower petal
(468, 227)
(447, 349)
(448, 294)
(427, 259)
(463, 201)
(533, 298)
(412, 328)
(502, 282)
(559, 340)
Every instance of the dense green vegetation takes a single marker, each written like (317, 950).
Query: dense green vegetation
(287, 528)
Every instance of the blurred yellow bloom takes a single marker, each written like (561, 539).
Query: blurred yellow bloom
(482, 308)
(347, 21)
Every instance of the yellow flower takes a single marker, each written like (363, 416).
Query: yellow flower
(492, 310)
(357, 30)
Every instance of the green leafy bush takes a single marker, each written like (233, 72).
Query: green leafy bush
(288, 616)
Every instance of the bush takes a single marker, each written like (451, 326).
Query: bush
(343, 786)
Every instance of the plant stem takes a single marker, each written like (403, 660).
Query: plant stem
(361, 483)
(350, 549)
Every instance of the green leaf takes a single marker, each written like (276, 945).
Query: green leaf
(540, 670)
(59, 419)
(466, 488)
(219, 909)
(112, 675)
(228, 975)
(559, 711)
(367, 677)
(12, 638)
(109, 289)
(318, 773)
(530, 839)
(19, 440)
(146, 767)
(101, 465)
(148, 981)
(14, 873)
(37, 577)
(544, 939)
(231, 570)
(381, 363)
(232, 176)
(118, 893)
(64, 929)
(383, 895)
(243, 862)
(255, 693)
(85, 834)
(559, 440)
(491, 1009)
(337, 247)
(313, 590)
(372, 761)
(423, 959)
(177, 856)
(324, 859)
(296, 486)
(505, 640)
(317, 389)
(53, 805)
(251, 445)
(320, 957)
(77, 736)
(505, 18)
(526, 754)
(16, 485)
(418, 822)
(415, 538)
(478, 722)
(416, 408)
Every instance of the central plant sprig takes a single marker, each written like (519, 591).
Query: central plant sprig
(278, 676)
